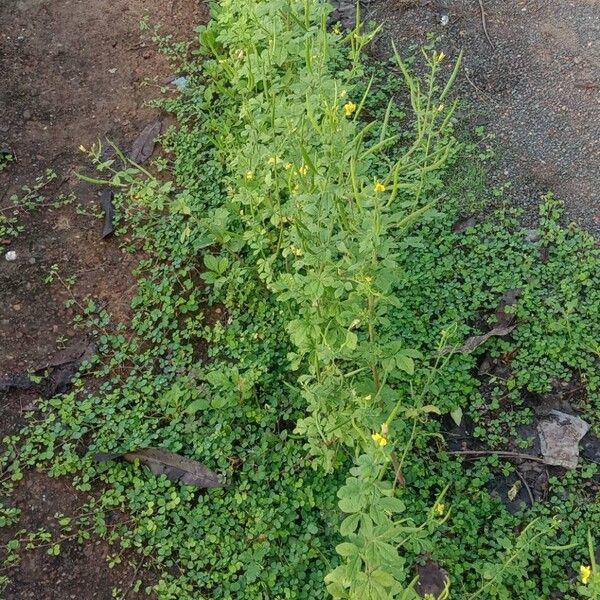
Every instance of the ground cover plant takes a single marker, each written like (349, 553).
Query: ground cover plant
(302, 296)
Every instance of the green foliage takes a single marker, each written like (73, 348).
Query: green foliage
(301, 281)
(6, 157)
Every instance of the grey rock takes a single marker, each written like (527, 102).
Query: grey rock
(560, 435)
(532, 235)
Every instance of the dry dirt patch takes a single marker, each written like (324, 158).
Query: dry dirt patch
(71, 71)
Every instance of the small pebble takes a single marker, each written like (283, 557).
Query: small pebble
(16, 307)
(10, 256)
(27, 115)
(445, 20)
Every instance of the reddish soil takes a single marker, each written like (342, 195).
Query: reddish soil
(72, 72)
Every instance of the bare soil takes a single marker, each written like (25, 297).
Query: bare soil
(535, 85)
(71, 72)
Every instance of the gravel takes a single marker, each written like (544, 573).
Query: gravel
(537, 90)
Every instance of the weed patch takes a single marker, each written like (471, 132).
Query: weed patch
(297, 314)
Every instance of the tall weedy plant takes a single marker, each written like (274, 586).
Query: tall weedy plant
(320, 201)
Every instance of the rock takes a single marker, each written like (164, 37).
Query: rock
(10, 256)
(26, 115)
(180, 83)
(532, 235)
(560, 435)
(432, 580)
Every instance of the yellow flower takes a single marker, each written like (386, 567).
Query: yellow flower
(586, 572)
(439, 509)
(303, 170)
(274, 160)
(379, 439)
(249, 175)
(379, 187)
(441, 57)
(349, 108)
(288, 166)
(337, 29)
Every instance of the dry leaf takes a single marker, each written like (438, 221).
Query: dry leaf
(514, 490)
(432, 580)
(106, 202)
(55, 375)
(464, 224)
(176, 467)
(475, 341)
(143, 147)
(503, 327)
(509, 299)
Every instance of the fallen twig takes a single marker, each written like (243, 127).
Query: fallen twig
(399, 478)
(134, 578)
(502, 453)
(524, 482)
(484, 23)
(478, 89)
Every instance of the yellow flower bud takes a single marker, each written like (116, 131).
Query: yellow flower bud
(586, 572)
(379, 439)
(349, 108)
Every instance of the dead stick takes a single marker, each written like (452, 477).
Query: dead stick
(134, 578)
(399, 478)
(522, 478)
(478, 89)
(484, 23)
(502, 453)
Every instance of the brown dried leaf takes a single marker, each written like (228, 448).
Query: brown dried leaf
(143, 147)
(509, 299)
(56, 374)
(464, 224)
(475, 341)
(106, 202)
(432, 579)
(176, 467)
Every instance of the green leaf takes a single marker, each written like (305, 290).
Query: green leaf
(405, 363)
(197, 405)
(390, 504)
(347, 549)
(349, 524)
(457, 415)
